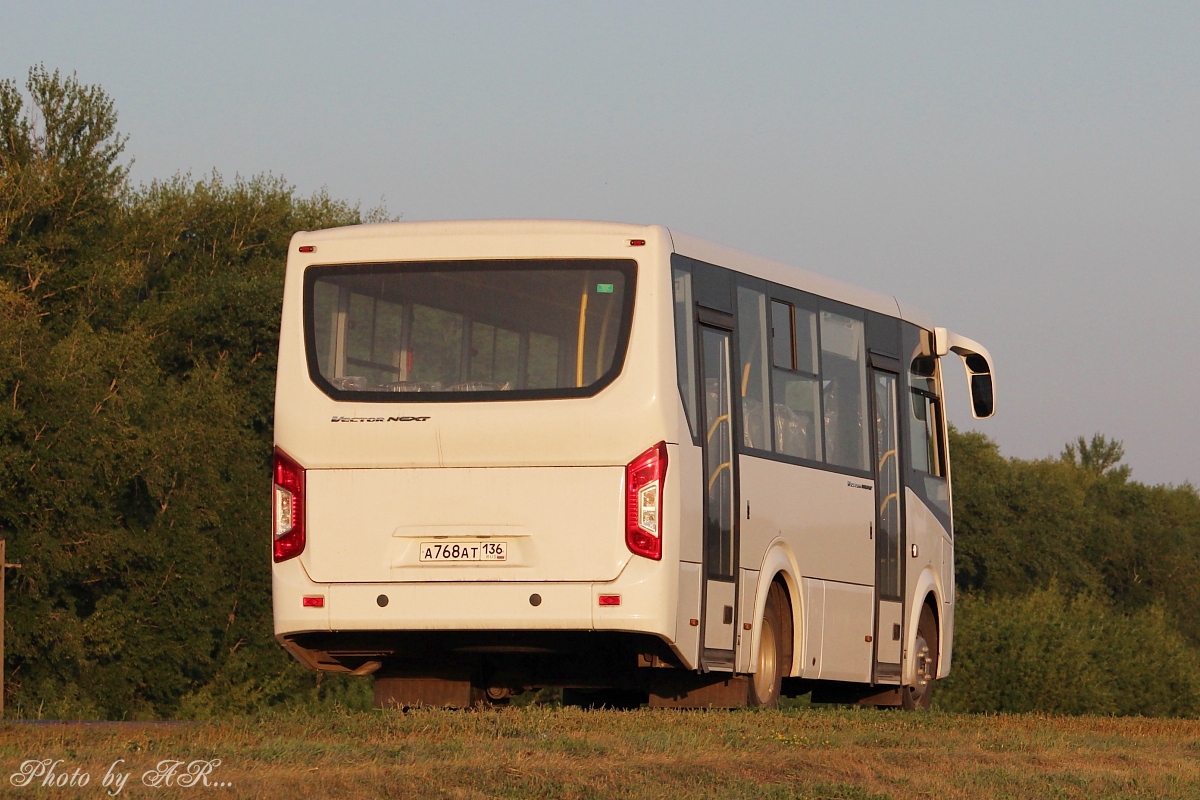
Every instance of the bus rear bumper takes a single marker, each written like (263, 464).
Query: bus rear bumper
(460, 606)
(641, 600)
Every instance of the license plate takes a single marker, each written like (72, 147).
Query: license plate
(456, 552)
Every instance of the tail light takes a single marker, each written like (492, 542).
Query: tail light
(644, 478)
(288, 515)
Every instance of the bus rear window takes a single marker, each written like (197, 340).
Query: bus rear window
(467, 330)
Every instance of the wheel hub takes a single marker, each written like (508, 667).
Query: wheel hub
(764, 678)
(924, 663)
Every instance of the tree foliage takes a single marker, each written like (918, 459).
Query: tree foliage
(137, 346)
(1078, 522)
(1082, 586)
(1045, 651)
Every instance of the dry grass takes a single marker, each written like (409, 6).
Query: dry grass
(554, 752)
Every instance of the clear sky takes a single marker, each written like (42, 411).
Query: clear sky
(1027, 172)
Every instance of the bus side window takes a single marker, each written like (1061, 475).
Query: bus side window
(926, 440)
(797, 409)
(844, 377)
(752, 342)
(926, 445)
(782, 352)
(685, 344)
(797, 404)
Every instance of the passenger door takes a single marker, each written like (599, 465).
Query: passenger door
(720, 489)
(889, 527)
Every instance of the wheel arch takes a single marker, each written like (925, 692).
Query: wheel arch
(929, 592)
(779, 565)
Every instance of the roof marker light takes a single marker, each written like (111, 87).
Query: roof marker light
(308, 248)
(637, 242)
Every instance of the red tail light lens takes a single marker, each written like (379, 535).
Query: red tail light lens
(644, 479)
(288, 502)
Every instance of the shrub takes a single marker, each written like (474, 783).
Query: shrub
(1050, 653)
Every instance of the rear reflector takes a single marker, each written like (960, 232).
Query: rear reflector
(317, 601)
(610, 599)
(644, 478)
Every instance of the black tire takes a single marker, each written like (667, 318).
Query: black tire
(917, 697)
(774, 651)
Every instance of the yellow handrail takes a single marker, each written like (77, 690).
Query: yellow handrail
(717, 472)
(582, 330)
(713, 429)
(608, 309)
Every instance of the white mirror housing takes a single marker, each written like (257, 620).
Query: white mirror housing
(981, 373)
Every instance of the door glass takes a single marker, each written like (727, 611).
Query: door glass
(752, 341)
(887, 487)
(718, 453)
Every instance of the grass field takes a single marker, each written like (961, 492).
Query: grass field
(544, 751)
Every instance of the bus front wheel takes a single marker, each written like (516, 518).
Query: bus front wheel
(774, 650)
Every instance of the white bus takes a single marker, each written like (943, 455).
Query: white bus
(610, 458)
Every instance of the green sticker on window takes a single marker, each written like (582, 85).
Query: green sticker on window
(604, 288)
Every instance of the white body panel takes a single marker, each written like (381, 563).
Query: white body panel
(813, 658)
(718, 634)
(826, 522)
(368, 525)
(687, 639)
(888, 631)
(846, 645)
(747, 590)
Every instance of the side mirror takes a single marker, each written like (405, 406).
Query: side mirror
(983, 400)
(978, 363)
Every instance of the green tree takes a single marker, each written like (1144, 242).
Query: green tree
(61, 185)
(1101, 455)
(137, 354)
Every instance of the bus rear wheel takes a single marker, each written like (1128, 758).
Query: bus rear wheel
(917, 697)
(774, 651)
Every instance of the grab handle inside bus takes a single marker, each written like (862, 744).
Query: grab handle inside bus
(978, 364)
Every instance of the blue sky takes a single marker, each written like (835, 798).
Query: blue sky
(1029, 173)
